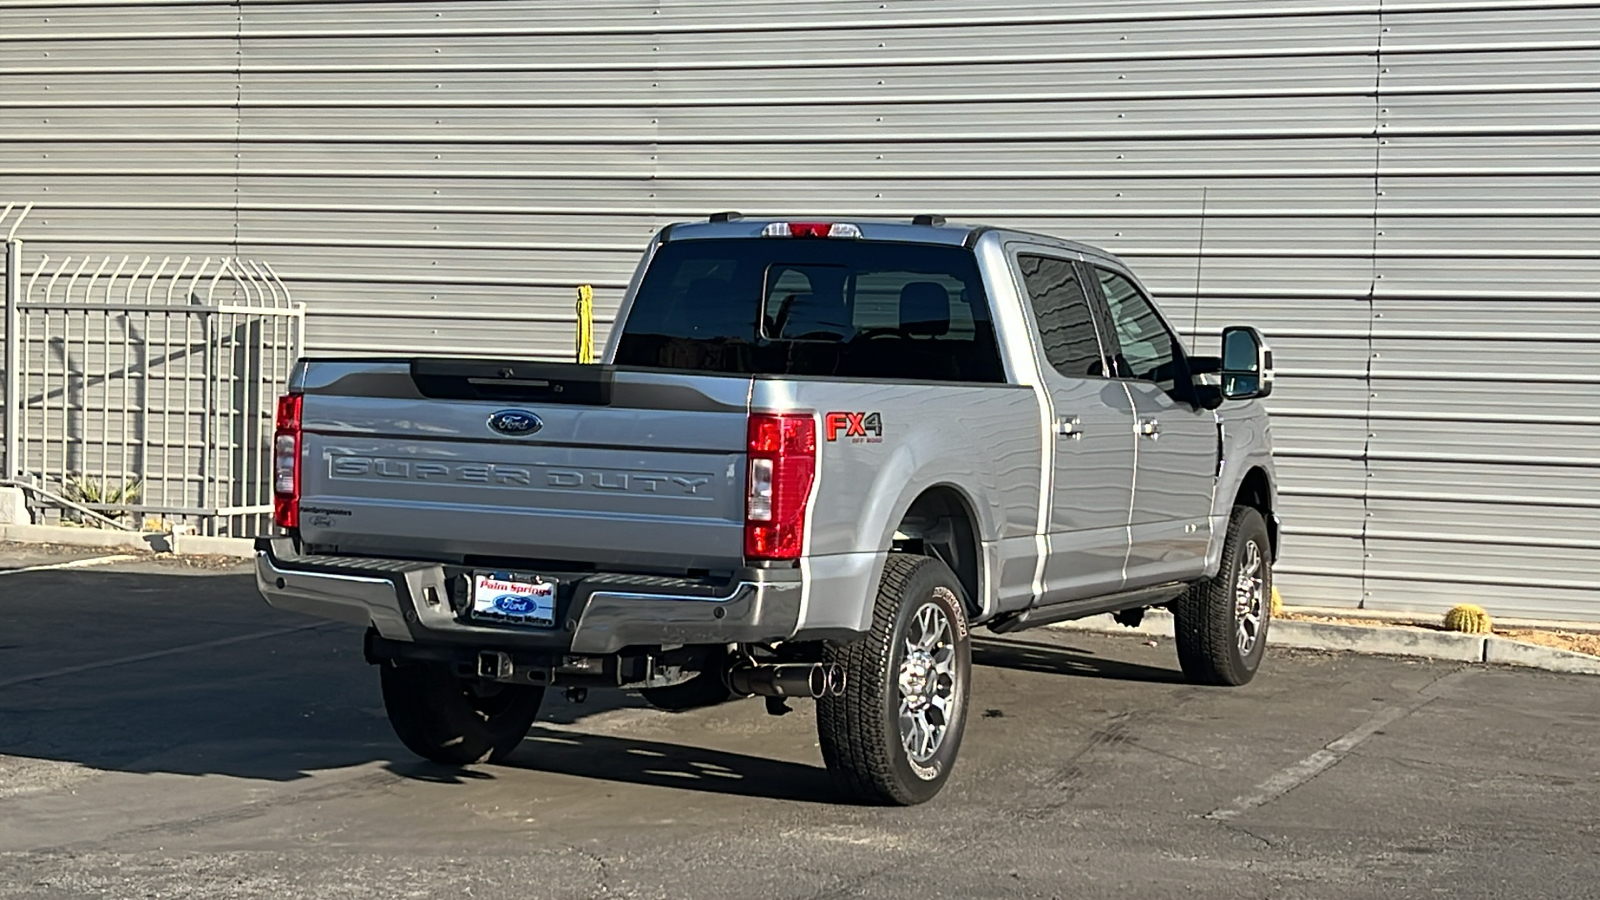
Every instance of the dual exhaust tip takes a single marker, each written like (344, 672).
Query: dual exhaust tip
(788, 680)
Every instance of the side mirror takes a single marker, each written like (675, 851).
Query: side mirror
(1246, 363)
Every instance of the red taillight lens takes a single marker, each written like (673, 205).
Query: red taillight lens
(286, 463)
(782, 464)
(811, 230)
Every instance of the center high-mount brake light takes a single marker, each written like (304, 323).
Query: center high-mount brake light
(782, 464)
(812, 230)
(286, 463)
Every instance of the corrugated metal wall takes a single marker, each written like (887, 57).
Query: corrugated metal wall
(1401, 193)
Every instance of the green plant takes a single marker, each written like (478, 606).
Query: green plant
(1468, 618)
(90, 492)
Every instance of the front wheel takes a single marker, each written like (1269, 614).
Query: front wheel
(1221, 623)
(893, 735)
(456, 721)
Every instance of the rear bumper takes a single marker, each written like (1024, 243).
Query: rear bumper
(596, 613)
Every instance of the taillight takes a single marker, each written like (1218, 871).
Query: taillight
(812, 230)
(286, 463)
(782, 463)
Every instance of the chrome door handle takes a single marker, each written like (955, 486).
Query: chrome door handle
(1072, 427)
(1149, 428)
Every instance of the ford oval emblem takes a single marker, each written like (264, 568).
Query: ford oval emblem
(515, 422)
(513, 604)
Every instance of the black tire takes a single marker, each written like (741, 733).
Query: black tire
(704, 689)
(861, 731)
(456, 721)
(1212, 619)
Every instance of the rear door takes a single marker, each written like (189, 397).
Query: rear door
(1093, 434)
(1176, 442)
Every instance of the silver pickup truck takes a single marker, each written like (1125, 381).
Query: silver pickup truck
(814, 456)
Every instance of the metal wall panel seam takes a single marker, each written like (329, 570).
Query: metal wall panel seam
(1428, 537)
(766, 63)
(1500, 459)
(741, 101)
(1469, 578)
(1485, 499)
(1120, 15)
(526, 209)
(798, 24)
(1417, 415)
(766, 137)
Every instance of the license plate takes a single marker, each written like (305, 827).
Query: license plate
(514, 599)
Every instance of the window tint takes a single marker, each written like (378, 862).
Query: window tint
(1146, 349)
(867, 309)
(878, 300)
(1066, 328)
(805, 303)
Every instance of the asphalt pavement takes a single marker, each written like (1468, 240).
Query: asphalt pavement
(165, 734)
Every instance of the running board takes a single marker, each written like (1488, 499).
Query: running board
(1094, 606)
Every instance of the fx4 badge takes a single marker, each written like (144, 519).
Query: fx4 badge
(857, 427)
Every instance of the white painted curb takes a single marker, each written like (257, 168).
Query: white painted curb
(1384, 640)
(1507, 652)
(199, 544)
(156, 542)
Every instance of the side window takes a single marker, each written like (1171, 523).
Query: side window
(1147, 350)
(1066, 328)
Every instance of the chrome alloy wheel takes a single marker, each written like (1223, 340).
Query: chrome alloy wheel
(927, 683)
(1249, 598)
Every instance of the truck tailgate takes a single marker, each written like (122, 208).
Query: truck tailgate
(651, 476)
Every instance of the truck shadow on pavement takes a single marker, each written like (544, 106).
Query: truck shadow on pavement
(561, 747)
(1063, 659)
(196, 676)
(651, 763)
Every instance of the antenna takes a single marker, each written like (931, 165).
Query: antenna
(1199, 263)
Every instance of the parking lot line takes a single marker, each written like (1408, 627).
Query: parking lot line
(72, 564)
(1306, 769)
(157, 654)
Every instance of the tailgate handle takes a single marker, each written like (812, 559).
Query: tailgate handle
(513, 380)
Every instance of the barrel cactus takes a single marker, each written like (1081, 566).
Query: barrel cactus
(1468, 618)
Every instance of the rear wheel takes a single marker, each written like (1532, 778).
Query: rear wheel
(1221, 623)
(893, 735)
(456, 721)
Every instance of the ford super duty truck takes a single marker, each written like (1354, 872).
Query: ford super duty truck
(815, 455)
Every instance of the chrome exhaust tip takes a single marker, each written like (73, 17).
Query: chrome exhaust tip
(781, 680)
(835, 680)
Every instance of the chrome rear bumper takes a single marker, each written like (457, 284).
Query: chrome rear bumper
(598, 613)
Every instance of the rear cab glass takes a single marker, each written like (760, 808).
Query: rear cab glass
(813, 307)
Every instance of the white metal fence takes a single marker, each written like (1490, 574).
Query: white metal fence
(139, 388)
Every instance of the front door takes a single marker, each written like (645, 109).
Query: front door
(1093, 435)
(1176, 442)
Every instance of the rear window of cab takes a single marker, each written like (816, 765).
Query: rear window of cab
(813, 307)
